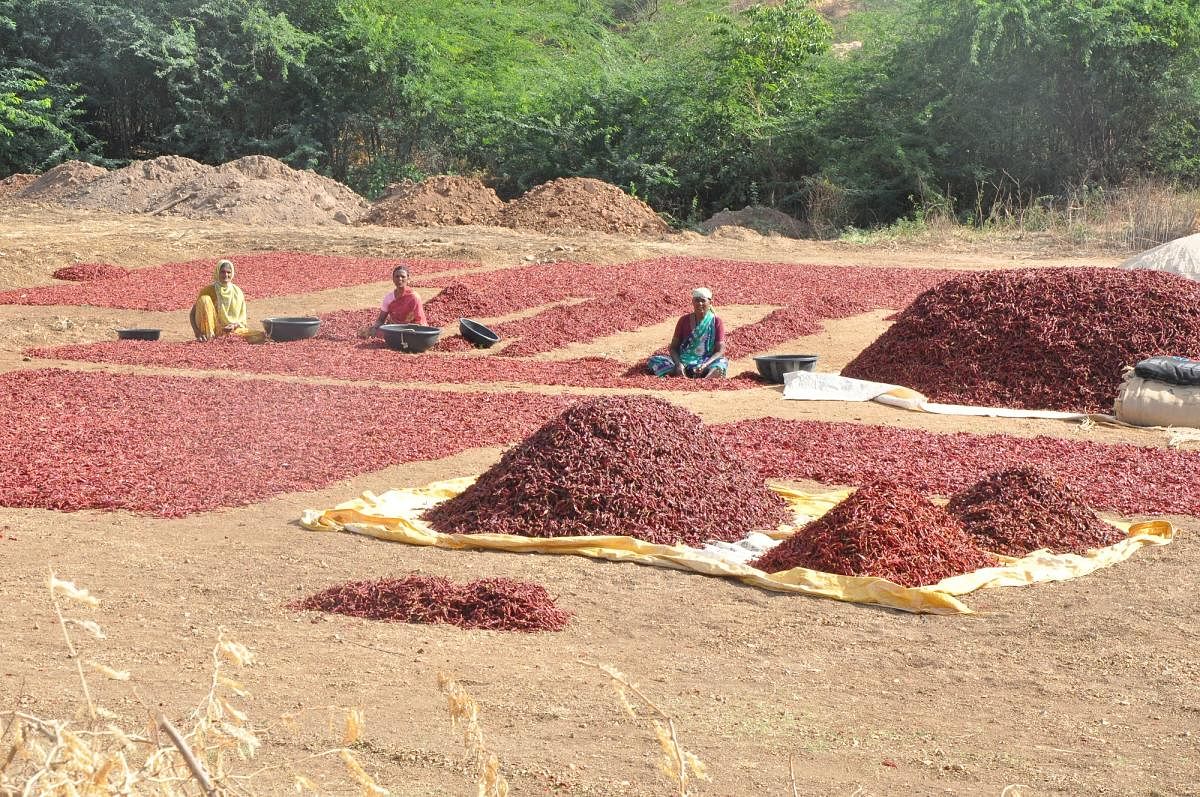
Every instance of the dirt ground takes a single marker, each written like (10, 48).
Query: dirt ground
(1077, 688)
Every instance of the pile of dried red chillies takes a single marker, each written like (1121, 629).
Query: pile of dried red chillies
(82, 272)
(498, 604)
(1021, 510)
(626, 465)
(1055, 338)
(885, 530)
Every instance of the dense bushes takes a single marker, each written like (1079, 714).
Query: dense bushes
(953, 105)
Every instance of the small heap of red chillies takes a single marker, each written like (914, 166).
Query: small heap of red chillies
(495, 604)
(457, 301)
(886, 530)
(1055, 338)
(82, 272)
(622, 465)
(1021, 510)
(1123, 478)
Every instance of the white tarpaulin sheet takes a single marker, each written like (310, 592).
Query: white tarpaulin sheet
(814, 386)
(1181, 256)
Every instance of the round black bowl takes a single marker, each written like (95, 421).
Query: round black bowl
(138, 334)
(477, 334)
(413, 338)
(772, 367)
(285, 328)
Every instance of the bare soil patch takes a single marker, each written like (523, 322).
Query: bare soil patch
(1080, 687)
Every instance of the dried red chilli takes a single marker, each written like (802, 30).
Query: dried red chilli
(652, 291)
(338, 354)
(457, 301)
(1122, 478)
(1020, 510)
(625, 465)
(886, 530)
(83, 272)
(173, 286)
(499, 604)
(1054, 338)
(171, 446)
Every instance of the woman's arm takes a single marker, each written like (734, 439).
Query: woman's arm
(367, 332)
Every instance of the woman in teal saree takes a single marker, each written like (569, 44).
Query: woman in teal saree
(698, 345)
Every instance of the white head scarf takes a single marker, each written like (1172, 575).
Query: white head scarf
(702, 293)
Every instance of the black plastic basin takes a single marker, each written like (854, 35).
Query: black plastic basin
(285, 328)
(477, 334)
(412, 338)
(138, 334)
(772, 367)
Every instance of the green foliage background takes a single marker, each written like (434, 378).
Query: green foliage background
(960, 106)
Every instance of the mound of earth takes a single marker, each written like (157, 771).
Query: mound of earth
(762, 220)
(617, 465)
(436, 201)
(1053, 338)
(259, 189)
(63, 180)
(14, 183)
(581, 203)
(140, 187)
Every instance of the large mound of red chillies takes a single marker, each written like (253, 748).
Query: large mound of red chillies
(1127, 479)
(886, 530)
(1020, 510)
(496, 604)
(173, 286)
(171, 446)
(624, 465)
(1055, 338)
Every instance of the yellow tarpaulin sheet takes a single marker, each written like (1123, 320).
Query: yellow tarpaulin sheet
(396, 516)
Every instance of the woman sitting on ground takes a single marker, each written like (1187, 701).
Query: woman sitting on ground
(698, 346)
(220, 309)
(400, 306)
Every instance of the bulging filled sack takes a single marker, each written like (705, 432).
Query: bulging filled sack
(1149, 402)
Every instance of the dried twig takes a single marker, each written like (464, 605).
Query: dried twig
(197, 769)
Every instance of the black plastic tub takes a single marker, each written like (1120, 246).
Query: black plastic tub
(139, 334)
(412, 338)
(286, 328)
(477, 334)
(772, 367)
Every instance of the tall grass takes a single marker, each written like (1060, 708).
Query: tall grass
(1124, 220)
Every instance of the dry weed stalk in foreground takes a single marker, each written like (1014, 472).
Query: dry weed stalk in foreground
(52, 757)
(681, 766)
(464, 712)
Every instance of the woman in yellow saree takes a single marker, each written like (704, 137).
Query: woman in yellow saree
(220, 309)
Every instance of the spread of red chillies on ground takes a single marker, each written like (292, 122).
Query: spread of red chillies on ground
(496, 604)
(1055, 338)
(337, 354)
(886, 530)
(629, 296)
(1121, 478)
(172, 446)
(1021, 510)
(83, 272)
(173, 286)
(623, 465)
